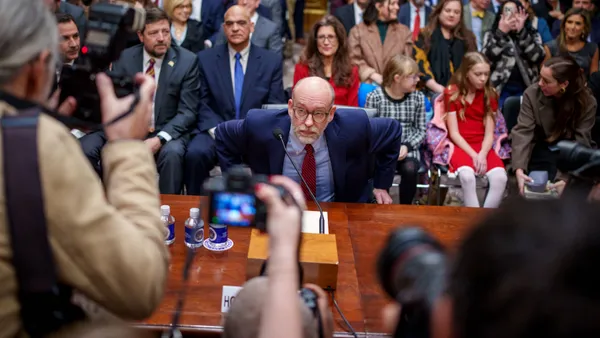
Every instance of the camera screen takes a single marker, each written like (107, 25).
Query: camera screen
(235, 209)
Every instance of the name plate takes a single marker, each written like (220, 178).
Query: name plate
(310, 222)
(228, 297)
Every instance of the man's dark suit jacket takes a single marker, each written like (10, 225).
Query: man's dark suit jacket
(262, 84)
(194, 37)
(177, 95)
(346, 16)
(353, 140)
(212, 13)
(77, 13)
(404, 15)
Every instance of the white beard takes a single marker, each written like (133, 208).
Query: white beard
(307, 140)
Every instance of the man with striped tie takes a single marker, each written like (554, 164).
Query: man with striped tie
(176, 99)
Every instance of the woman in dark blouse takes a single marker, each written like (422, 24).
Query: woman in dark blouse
(442, 44)
(573, 40)
(326, 55)
(186, 32)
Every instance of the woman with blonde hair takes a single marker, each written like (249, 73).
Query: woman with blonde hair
(398, 99)
(471, 105)
(186, 33)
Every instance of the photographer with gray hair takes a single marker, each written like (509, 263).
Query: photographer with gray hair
(106, 240)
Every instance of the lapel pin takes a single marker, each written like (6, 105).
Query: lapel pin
(171, 63)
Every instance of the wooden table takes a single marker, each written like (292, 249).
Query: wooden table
(360, 230)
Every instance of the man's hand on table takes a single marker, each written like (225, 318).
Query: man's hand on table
(382, 196)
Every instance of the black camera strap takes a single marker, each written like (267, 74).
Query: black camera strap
(45, 305)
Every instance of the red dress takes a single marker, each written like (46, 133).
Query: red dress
(472, 129)
(344, 96)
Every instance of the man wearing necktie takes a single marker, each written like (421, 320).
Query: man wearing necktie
(414, 14)
(342, 154)
(176, 99)
(236, 77)
(478, 19)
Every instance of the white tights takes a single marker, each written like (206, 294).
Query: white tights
(497, 183)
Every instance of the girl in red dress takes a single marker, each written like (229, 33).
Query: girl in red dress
(471, 105)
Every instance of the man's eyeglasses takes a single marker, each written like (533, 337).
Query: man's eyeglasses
(318, 116)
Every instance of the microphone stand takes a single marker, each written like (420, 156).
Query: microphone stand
(321, 218)
(173, 331)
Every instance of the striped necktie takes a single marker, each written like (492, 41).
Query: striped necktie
(309, 172)
(150, 69)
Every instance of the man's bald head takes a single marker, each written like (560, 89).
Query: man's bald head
(314, 84)
(311, 108)
(237, 10)
(243, 318)
(237, 27)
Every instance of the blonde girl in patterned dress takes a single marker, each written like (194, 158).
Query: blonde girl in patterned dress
(397, 98)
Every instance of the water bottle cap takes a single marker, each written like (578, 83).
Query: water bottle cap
(165, 210)
(194, 212)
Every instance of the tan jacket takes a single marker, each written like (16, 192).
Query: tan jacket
(107, 241)
(367, 52)
(537, 112)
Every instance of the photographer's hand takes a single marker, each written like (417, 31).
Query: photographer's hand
(283, 221)
(281, 311)
(134, 125)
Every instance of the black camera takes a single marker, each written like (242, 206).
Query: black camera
(573, 156)
(109, 25)
(412, 268)
(232, 200)
(583, 166)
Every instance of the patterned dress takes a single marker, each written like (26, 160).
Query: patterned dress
(409, 111)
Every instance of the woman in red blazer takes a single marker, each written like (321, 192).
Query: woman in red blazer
(326, 55)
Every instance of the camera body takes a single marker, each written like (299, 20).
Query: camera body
(107, 31)
(232, 200)
(412, 269)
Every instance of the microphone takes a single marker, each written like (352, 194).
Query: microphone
(174, 332)
(278, 134)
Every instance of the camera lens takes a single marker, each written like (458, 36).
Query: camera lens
(412, 266)
(573, 156)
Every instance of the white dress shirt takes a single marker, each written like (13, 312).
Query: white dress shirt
(196, 10)
(157, 66)
(413, 16)
(243, 60)
(253, 19)
(358, 13)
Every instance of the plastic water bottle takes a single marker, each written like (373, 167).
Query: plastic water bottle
(169, 223)
(194, 229)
